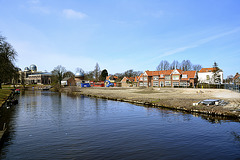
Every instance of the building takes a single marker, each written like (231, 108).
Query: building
(39, 78)
(68, 81)
(206, 75)
(30, 75)
(128, 81)
(236, 79)
(168, 78)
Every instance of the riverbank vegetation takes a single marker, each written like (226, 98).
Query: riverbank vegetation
(8, 71)
(4, 94)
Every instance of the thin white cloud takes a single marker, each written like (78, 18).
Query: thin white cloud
(71, 14)
(198, 43)
(34, 1)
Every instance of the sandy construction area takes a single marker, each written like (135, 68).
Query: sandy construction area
(178, 98)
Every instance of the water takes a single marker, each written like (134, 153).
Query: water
(47, 125)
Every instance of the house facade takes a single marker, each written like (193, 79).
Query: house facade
(39, 78)
(168, 78)
(68, 81)
(206, 75)
(128, 82)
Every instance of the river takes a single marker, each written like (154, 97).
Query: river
(49, 125)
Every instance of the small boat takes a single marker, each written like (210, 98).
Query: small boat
(210, 101)
(17, 91)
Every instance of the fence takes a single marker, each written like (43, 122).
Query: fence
(233, 87)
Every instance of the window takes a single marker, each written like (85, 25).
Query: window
(162, 75)
(184, 76)
(183, 83)
(145, 84)
(208, 77)
(175, 77)
(167, 77)
(140, 84)
(155, 77)
(167, 83)
(141, 78)
(175, 83)
(155, 83)
(145, 78)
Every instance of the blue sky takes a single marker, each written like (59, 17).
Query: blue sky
(122, 34)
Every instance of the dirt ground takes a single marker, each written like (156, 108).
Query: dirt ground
(178, 98)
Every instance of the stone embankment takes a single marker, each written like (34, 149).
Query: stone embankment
(173, 98)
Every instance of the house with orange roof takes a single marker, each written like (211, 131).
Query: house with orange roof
(128, 81)
(206, 75)
(168, 78)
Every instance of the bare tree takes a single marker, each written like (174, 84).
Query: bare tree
(175, 65)
(186, 65)
(216, 76)
(79, 70)
(163, 65)
(68, 74)
(197, 67)
(97, 72)
(58, 73)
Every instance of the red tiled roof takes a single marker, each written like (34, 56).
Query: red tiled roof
(207, 70)
(115, 77)
(132, 79)
(191, 74)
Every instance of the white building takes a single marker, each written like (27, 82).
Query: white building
(206, 75)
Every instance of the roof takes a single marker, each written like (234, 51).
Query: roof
(131, 79)
(208, 70)
(111, 77)
(191, 74)
(66, 78)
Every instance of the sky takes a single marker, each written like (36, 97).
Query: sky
(122, 34)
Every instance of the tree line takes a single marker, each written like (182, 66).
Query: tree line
(185, 65)
(60, 72)
(8, 71)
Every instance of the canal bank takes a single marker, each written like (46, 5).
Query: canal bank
(4, 95)
(173, 98)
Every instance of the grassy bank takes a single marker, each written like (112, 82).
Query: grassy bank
(4, 94)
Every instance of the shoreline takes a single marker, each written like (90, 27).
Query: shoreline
(181, 99)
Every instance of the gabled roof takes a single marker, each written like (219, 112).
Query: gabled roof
(131, 79)
(111, 77)
(208, 70)
(66, 78)
(190, 74)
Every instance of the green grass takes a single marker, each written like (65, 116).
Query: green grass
(4, 93)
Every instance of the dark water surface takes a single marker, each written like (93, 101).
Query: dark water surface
(47, 125)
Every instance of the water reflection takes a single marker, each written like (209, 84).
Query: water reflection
(79, 127)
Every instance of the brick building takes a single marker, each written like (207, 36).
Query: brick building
(168, 78)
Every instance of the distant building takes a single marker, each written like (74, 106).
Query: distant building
(68, 81)
(30, 75)
(168, 78)
(206, 75)
(128, 81)
(39, 78)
